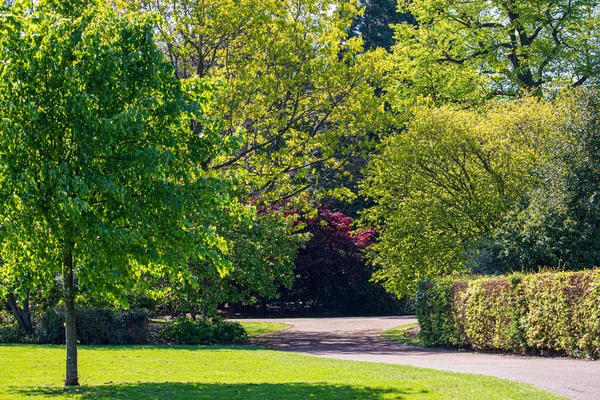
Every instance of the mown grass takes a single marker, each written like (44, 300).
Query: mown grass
(196, 372)
(397, 335)
(254, 329)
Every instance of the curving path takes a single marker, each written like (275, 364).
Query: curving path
(358, 339)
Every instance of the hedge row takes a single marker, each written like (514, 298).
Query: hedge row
(545, 313)
(193, 332)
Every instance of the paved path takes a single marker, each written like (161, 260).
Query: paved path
(358, 339)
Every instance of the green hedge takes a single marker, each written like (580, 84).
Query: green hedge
(546, 312)
(96, 326)
(208, 332)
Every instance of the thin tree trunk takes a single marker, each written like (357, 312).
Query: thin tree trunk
(72, 378)
(205, 310)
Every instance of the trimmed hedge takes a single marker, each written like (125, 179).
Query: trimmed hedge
(545, 312)
(194, 332)
(96, 326)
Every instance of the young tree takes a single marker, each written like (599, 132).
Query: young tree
(467, 51)
(100, 174)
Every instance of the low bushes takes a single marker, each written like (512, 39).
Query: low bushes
(96, 326)
(194, 332)
(9, 329)
(546, 312)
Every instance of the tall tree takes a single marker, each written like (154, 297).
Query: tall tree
(446, 182)
(466, 51)
(375, 24)
(100, 174)
(293, 85)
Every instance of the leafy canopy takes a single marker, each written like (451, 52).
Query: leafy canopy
(97, 158)
(293, 85)
(467, 51)
(446, 182)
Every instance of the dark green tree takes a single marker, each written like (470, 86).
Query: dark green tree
(375, 24)
(557, 223)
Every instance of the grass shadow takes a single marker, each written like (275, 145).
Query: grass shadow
(171, 390)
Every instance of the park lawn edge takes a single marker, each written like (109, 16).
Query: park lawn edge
(396, 334)
(240, 372)
(257, 329)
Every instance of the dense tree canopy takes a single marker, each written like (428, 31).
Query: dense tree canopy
(293, 85)
(557, 223)
(446, 182)
(100, 174)
(467, 51)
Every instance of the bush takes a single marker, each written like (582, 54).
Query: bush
(96, 326)
(207, 332)
(10, 332)
(546, 312)
(437, 313)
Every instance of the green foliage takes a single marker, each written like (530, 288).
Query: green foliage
(546, 312)
(437, 312)
(446, 182)
(467, 51)
(97, 159)
(202, 331)
(556, 225)
(375, 25)
(492, 315)
(10, 332)
(96, 326)
(261, 250)
(293, 86)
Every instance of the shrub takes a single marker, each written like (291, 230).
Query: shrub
(207, 332)
(545, 312)
(437, 312)
(96, 326)
(9, 329)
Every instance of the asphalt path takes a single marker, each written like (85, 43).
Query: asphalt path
(359, 339)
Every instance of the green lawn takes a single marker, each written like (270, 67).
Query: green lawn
(153, 372)
(262, 328)
(397, 334)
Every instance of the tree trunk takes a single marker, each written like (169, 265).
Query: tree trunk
(72, 378)
(205, 311)
(22, 315)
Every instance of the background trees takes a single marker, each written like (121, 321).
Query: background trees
(467, 51)
(293, 85)
(375, 24)
(556, 223)
(101, 177)
(446, 182)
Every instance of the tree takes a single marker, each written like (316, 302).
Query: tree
(101, 176)
(293, 84)
(262, 255)
(331, 270)
(467, 51)
(375, 25)
(447, 182)
(557, 223)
